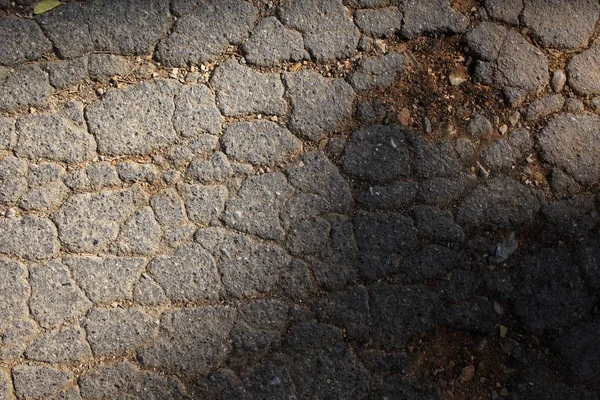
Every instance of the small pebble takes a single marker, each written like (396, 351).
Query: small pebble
(504, 392)
(467, 373)
(456, 80)
(574, 106)
(514, 119)
(503, 129)
(404, 117)
(596, 103)
(558, 80)
(427, 125)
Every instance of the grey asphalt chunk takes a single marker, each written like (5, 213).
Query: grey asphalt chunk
(193, 340)
(572, 22)
(317, 104)
(328, 32)
(259, 142)
(204, 203)
(196, 112)
(583, 71)
(205, 33)
(66, 27)
(501, 203)
(431, 16)
(14, 32)
(507, 60)
(16, 327)
(30, 237)
(383, 22)
(504, 10)
(89, 222)
(272, 43)
(378, 72)
(115, 331)
(26, 87)
(67, 344)
(189, 274)
(54, 137)
(263, 196)
(68, 73)
(110, 25)
(55, 296)
(140, 235)
(377, 153)
(8, 136)
(34, 382)
(570, 141)
(105, 279)
(242, 91)
(119, 130)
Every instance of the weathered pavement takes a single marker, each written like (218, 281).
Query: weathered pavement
(300, 199)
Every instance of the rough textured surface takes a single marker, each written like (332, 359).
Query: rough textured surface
(121, 131)
(563, 31)
(259, 142)
(54, 137)
(572, 142)
(16, 31)
(55, 297)
(30, 237)
(205, 33)
(328, 32)
(318, 105)
(431, 16)
(242, 91)
(507, 60)
(89, 222)
(193, 340)
(272, 43)
(25, 87)
(189, 274)
(300, 199)
(583, 71)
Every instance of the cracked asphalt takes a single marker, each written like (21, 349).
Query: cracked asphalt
(300, 199)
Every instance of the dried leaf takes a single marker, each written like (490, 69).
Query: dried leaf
(503, 330)
(45, 5)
